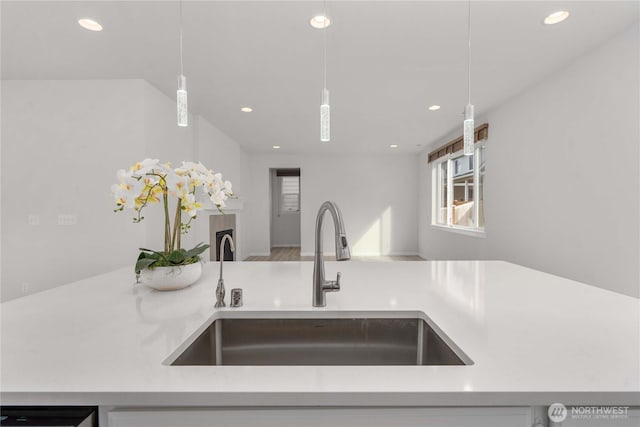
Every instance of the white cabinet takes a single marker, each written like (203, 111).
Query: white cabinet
(314, 417)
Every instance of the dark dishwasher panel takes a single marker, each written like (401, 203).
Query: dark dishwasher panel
(44, 416)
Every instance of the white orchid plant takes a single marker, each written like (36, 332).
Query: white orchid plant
(149, 182)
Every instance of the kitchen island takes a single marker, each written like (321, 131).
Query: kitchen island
(534, 339)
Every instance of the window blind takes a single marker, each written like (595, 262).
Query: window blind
(481, 133)
(289, 193)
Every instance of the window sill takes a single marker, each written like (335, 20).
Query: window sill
(461, 230)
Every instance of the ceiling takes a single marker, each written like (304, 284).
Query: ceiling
(387, 61)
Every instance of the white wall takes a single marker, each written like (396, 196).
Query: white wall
(375, 192)
(166, 141)
(62, 143)
(562, 187)
(219, 152)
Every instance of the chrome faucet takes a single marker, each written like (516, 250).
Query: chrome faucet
(320, 285)
(220, 289)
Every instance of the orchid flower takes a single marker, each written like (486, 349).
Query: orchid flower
(149, 181)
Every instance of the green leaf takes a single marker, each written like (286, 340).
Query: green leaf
(144, 263)
(149, 250)
(155, 254)
(200, 247)
(176, 257)
(149, 258)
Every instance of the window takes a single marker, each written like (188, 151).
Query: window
(458, 199)
(289, 194)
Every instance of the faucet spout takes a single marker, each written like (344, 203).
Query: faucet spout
(220, 291)
(320, 285)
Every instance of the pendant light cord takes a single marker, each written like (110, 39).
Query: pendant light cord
(181, 65)
(469, 50)
(325, 45)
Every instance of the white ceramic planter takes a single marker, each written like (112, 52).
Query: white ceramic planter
(171, 278)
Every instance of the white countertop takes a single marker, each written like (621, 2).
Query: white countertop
(535, 339)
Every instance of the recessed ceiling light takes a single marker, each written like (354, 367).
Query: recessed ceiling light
(275, 147)
(393, 146)
(90, 24)
(320, 22)
(434, 107)
(556, 17)
(246, 109)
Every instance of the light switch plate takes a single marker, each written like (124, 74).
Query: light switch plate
(67, 219)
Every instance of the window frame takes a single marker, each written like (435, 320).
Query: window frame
(436, 196)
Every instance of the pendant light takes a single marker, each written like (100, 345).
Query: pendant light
(181, 94)
(325, 118)
(469, 125)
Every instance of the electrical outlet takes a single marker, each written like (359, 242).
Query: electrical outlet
(67, 219)
(26, 287)
(33, 219)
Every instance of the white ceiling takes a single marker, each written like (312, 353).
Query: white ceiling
(387, 60)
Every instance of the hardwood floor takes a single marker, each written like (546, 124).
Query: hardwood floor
(293, 254)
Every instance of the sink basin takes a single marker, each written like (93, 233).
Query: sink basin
(332, 339)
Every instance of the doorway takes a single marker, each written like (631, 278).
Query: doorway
(285, 208)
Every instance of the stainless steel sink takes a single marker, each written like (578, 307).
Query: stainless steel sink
(370, 339)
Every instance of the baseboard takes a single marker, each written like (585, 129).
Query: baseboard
(286, 246)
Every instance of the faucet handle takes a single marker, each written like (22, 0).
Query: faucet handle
(332, 285)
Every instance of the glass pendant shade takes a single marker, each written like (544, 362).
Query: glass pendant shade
(325, 130)
(468, 130)
(181, 97)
